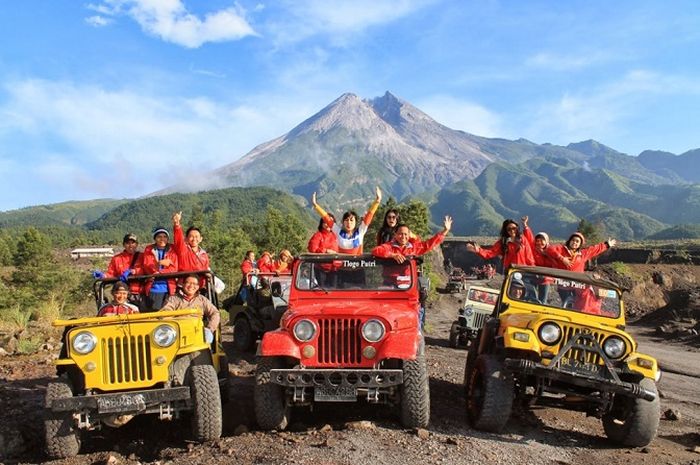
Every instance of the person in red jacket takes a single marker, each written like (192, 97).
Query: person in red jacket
(511, 247)
(401, 246)
(119, 304)
(324, 240)
(265, 263)
(351, 235)
(124, 264)
(190, 255)
(159, 257)
(571, 255)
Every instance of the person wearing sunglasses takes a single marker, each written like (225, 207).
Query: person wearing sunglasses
(511, 247)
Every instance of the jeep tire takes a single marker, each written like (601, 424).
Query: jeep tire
(243, 336)
(271, 409)
(490, 394)
(61, 434)
(633, 422)
(454, 334)
(206, 403)
(415, 393)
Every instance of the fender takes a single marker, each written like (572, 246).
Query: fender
(644, 365)
(531, 345)
(403, 345)
(278, 343)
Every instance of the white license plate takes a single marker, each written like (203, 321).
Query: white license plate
(335, 394)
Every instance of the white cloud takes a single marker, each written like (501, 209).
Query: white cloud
(170, 20)
(97, 21)
(601, 112)
(338, 18)
(569, 62)
(462, 114)
(87, 142)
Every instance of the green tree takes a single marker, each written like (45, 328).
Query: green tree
(282, 232)
(226, 251)
(33, 249)
(592, 232)
(417, 216)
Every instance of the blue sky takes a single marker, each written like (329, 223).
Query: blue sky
(119, 98)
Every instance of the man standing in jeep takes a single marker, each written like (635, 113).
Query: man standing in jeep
(401, 247)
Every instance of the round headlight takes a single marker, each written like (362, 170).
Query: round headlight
(468, 310)
(550, 333)
(614, 347)
(373, 331)
(304, 330)
(164, 335)
(84, 342)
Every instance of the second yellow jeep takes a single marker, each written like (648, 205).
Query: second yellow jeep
(558, 338)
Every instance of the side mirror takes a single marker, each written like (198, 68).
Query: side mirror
(276, 289)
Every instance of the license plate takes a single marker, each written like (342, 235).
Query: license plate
(579, 366)
(121, 403)
(335, 394)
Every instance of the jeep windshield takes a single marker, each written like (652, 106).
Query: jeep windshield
(564, 290)
(365, 273)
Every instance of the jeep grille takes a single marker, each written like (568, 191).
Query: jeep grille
(581, 355)
(127, 359)
(479, 319)
(340, 341)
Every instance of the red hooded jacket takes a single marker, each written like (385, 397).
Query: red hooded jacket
(516, 253)
(120, 263)
(322, 241)
(188, 259)
(416, 248)
(149, 265)
(579, 257)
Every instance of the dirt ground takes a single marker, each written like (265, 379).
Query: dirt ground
(358, 433)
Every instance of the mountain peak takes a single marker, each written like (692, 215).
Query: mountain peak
(347, 111)
(592, 148)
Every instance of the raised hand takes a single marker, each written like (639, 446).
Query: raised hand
(177, 217)
(611, 242)
(313, 199)
(379, 194)
(447, 223)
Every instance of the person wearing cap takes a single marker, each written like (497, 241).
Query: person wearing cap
(572, 256)
(190, 298)
(124, 264)
(511, 247)
(159, 257)
(119, 304)
(284, 264)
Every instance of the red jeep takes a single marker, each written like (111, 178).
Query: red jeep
(351, 333)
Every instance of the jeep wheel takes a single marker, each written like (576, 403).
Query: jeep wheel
(415, 393)
(243, 336)
(454, 334)
(633, 422)
(206, 398)
(62, 438)
(469, 367)
(490, 395)
(271, 409)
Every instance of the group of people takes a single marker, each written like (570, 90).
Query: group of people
(394, 239)
(521, 247)
(184, 253)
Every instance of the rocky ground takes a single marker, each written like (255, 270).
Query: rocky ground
(339, 434)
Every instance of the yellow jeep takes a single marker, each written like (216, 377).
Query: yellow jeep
(112, 368)
(557, 338)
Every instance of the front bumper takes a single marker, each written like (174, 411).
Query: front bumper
(329, 377)
(122, 402)
(578, 378)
